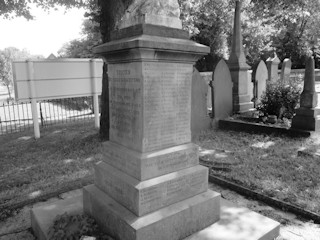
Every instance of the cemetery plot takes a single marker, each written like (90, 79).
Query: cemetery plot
(271, 165)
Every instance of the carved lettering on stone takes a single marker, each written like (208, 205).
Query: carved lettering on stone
(167, 104)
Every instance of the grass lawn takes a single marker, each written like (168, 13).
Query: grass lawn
(268, 164)
(63, 155)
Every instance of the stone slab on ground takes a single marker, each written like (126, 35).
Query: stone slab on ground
(239, 223)
(42, 217)
(229, 220)
(173, 222)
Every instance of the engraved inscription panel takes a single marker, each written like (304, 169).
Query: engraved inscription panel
(125, 93)
(167, 104)
(147, 196)
(145, 166)
(172, 191)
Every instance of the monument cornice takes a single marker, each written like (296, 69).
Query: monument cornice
(151, 48)
(154, 42)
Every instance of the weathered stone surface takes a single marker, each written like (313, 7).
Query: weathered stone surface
(237, 58)
(200, 120)
(236, 223)
(150, 111)
(150, 105)
(151, 48)
(147, 196)
(261, 77)
(286, 70)
(222, 91)
(156, 12)
(306, 119)
(238, 67)
(308, 115)
(239, 223)
(42, 217)
(173, 222)
(207, 77)
(273, 65)
(250, 85)
(309, 96)
(143, 166)
(148, 29)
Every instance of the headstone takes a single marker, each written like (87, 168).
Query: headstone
(200, 120)
(222, 91)
(286, 70)
(238, 67)
(250, 85)
(207, 77)
(150, 184)
(261, 77)
(308, 115)
(273, 65)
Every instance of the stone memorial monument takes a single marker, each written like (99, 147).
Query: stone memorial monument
(286, 71)
(200, 120)
(238, 67)
(272, 65)
(222, 91)
(308, 115)
(261, 77)
(150, 184)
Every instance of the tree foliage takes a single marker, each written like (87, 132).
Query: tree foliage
(291, 27)
(297, 27)
(8, 55)
(21, 8)
(82, 48)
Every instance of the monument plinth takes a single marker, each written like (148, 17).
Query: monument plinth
(150, 184)
(308, 115)
(238, 67)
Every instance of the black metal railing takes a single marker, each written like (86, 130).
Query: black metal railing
(17, 117)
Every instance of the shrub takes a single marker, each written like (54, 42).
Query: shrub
(280, 100)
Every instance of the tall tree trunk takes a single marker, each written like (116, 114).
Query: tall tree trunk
(111, 12)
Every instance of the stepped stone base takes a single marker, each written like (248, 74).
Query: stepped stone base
(173, 222)
(143, 166)
(143, 197)
(236, 223)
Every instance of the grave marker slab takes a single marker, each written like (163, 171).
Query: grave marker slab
(261, 77)
(286, 70)
(222, 91)
(273, 65)
(200, 119)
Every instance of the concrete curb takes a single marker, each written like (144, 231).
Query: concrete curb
(263, 198)
(73, 186)
(240, 126)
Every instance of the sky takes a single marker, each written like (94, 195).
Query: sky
(44, 35)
